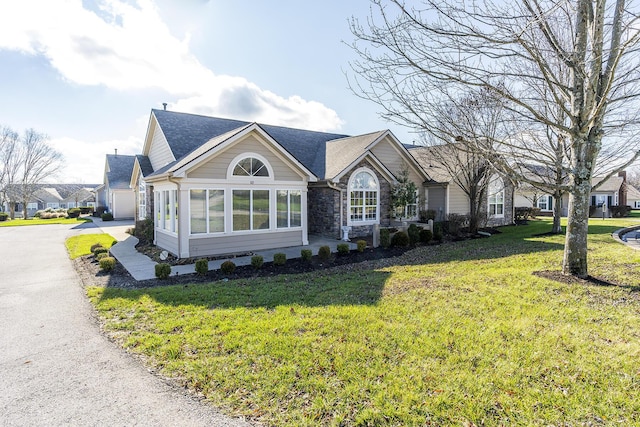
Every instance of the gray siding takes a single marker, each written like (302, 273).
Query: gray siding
(216, 168)
(392, 160)
(243, 243)
(458, 200)
(167, 242)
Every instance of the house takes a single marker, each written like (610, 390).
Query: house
(610, 192)
(453, 171)
(633, 197)
(225, 186)
(115, 192)
(52, 196)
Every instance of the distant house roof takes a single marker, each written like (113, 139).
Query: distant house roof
(611, 185)
(632, 193)
(119, 171)
(187, 132)
(145, 164)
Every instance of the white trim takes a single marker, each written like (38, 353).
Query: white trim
(251, 179)
(489, 194)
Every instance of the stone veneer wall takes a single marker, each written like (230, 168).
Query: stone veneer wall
(324, 205)
(508, 208)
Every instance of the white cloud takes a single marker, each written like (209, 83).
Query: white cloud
(128, 47)
(84, 160)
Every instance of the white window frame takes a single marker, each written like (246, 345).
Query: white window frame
(496, 196)
(142, 200)
(289, 213)
(251, 211)
(207, 211)
(548, 201)
(350, 190)
(250, 179)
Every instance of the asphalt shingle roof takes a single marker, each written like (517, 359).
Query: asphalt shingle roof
(186, 132)
(120, 170)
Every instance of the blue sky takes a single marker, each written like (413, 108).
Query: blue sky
(88, 72)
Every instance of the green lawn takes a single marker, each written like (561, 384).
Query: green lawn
(37, 221)
(449, 335)
(80, 245)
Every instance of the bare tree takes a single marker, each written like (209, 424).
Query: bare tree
(579, 57)
(39, 162)
(10, 160)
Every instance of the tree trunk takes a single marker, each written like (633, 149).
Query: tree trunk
(557, 214)
(575, 246)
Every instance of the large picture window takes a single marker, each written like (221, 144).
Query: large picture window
(496, 197)
(363, 197)
(289, 208)
(207, 211)
(250, 210)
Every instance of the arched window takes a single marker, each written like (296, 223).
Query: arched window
(496, 197)
(250, 166)
(363, 196)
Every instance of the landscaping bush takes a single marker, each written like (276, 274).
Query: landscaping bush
(3, 216)
(426, 215)
(107, 263)
(202, 266)
(362, 245)
(385, 238)
(100, 210)
(163, 270)
(437, 232)
(143, 230)
(73, 213)
(95, 246)
(414, 234)
(100, 250)
(324, 253)
(85, 209)
(400, 240)
(426, 236)
(102, 255)
(279, 258)
(306, 255)
(257, 261)
(228, 267)
(456, 222)
(38, 214)
(107, 216)
(343, 248)
(620, 211)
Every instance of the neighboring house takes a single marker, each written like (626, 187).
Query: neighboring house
(633, 197)
(446, 193)
(222, 186)
(115, 193)
(54, 196)
(612, 192)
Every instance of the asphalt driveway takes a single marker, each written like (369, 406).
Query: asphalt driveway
(56, 368)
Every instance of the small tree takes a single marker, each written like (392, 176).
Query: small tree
(403, 193)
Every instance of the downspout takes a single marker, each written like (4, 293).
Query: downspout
(177, 183)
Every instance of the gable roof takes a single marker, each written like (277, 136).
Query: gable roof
(611, 185)
(632, 193)
(119, 170)
(145, 164)
(185, 133)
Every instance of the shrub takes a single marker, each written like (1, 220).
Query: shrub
(414, 234)
(343, 248)
(279, 258)
(620, 211)
(100, 210)
(38, 214)
(324, 253)
(95, 246)
(73, 213)
(85, 209)
(426, 236)
(143, 230)
(102, 255)
(385, 237)
(100, 250)
(457, 222)
(163, 270)
(107, 216)
(428, 214)
(3, 216)
(400, 239)
(202, 266)
(362, 245)
(107, 263)
(257, 261)
(306, 255)
(437, 232)
(228, 267)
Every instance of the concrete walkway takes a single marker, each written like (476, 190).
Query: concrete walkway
(141, 267)
(630, 236)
